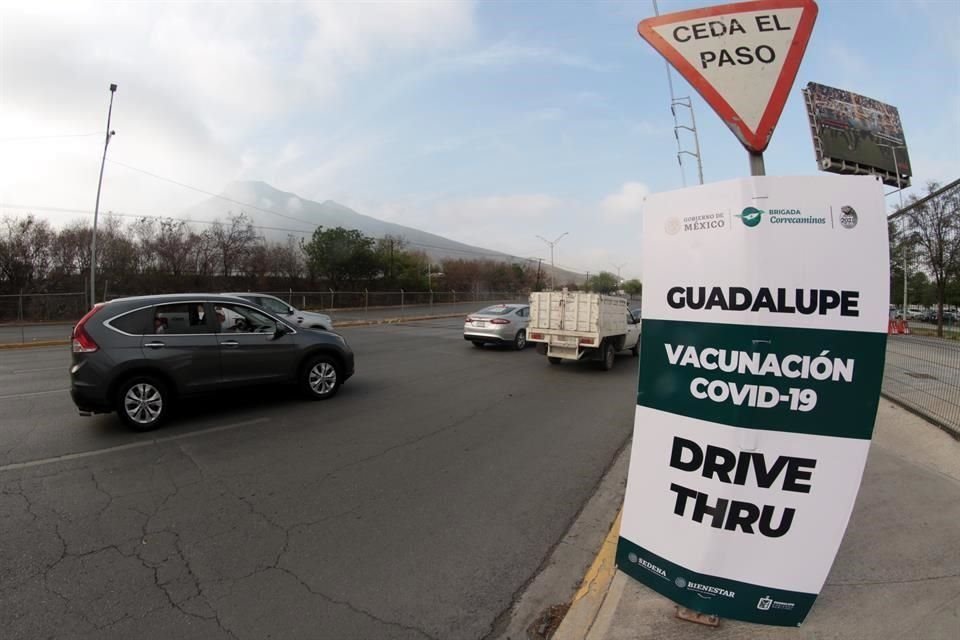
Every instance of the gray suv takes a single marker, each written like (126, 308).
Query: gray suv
(136, 356)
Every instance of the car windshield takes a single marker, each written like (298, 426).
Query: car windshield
(497, 310)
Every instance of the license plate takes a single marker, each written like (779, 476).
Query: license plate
(477, 323)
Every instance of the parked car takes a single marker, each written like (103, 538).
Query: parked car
(137, 356)
(278, 307)
(499, 324)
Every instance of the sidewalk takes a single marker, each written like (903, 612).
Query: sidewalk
(896, 575)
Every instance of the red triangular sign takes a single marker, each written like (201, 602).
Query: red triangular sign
(742, 58)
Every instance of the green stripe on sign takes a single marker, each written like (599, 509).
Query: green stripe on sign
(729, 599)
(752, 376)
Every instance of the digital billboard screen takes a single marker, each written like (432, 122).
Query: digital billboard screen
(854, 134)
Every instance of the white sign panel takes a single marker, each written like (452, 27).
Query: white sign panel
(764, 334)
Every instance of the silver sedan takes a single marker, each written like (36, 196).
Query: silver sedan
(499, 324)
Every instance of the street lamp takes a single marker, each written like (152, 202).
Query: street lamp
(896, 167)
(619, 279)
(552, 265)
(96, 208)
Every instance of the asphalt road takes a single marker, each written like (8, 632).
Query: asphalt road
(15, 333)
(415, 504)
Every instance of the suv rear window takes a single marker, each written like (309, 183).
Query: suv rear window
(498, 310)
(135, 322)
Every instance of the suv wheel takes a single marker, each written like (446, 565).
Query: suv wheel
(143, 403)
(320, 378)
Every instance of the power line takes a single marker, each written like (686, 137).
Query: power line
(491, 254)
(120, 214)
(50, 137)
(210, 193)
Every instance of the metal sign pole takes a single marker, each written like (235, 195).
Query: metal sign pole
(756, 164)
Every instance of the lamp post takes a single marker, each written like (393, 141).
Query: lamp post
(96, 208)
(552, 265)
(619, 279)
(896, 167)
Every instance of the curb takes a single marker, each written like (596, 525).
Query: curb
(369, 323)
(30, 345)
(586, 604)
(345, 324)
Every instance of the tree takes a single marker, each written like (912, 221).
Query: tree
(934, 224)
(234, 242)
(633, 287)
(25, 251)
(341, 255)
(604, 282)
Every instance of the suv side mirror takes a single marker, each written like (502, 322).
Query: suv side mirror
(280, 331)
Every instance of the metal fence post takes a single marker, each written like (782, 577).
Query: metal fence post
(331, 298)
(454, 296)
(20, 316)
(401, 303)
(290, 297)
(366, 301)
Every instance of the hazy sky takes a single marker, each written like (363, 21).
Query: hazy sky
(488, 123)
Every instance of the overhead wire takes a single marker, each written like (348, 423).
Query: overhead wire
(248, 205)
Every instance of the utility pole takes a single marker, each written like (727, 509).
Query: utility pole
(553, 268)
(903, 224)
(688, 103)
(96, 208)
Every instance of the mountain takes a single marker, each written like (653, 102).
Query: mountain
(279, 214)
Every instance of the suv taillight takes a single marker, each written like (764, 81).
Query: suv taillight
(82, 342)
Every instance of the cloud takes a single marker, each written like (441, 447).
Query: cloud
(505, 53)
(547, 114)
(648, 128)
(524, 206)
(206, 92)
(626, 203)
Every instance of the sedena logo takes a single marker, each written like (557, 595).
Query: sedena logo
(751, 216)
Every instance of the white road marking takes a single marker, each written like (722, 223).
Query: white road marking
(33, 393)
(123, 447)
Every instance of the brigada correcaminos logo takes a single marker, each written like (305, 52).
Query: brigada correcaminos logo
(751, 216)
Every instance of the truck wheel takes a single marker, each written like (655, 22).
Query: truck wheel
(608, 355)
(553, 360)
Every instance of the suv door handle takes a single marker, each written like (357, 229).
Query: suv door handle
(155, 345)
(229, 343)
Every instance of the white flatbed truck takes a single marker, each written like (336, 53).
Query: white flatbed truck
(576, 325)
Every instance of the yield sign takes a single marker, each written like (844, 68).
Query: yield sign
(742, 58)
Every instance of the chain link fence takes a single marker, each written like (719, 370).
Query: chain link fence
(42, 307)
(32, 317)
(923, 374)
